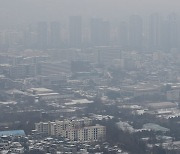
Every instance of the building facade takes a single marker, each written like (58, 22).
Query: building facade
(75, 130)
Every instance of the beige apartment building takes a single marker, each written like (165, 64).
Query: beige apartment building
(75, 130)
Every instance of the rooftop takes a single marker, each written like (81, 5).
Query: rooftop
(12, 133)
(155, 127)
(39, 90)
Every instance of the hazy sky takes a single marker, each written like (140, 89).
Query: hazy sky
(34, 10)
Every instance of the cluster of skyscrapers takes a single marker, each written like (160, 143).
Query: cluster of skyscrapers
(156, 33)
(136, 33)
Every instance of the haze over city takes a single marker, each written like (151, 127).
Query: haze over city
(89, 77)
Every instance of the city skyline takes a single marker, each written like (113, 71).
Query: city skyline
(156, 32)
(90, 76)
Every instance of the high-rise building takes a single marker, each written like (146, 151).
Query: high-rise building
(95, 31)
(173, 21)
(170, 33)
(123, 35)
(29, 37)
(154, 32)
(100, 32)
(55, 36)
(75, 31)
(164, 38)
(135, 32)
(1, 40)
(42, 35)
